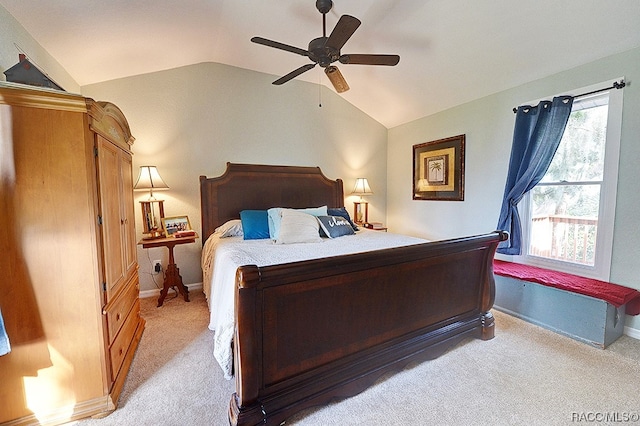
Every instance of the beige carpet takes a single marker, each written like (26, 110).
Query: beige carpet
(526, 375)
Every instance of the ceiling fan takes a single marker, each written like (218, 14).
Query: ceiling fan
(324, 50)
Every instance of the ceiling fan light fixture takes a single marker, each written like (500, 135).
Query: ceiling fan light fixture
(336, 78)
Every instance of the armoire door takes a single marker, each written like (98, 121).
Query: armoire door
(113, 221)
(129, 228)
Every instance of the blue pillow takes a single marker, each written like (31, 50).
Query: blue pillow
(334, 226)
(255, 224)
(275, 218)
(342, 212)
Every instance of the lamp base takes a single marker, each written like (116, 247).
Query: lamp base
(151, 220)
(361, 212)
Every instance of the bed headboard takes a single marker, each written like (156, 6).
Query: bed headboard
(260, 187)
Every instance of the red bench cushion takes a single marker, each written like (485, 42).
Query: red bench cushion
(615, 294)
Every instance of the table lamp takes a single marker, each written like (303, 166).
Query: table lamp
(361, 188)
(150, 179)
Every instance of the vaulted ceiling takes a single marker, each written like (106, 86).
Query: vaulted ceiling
(452, 51)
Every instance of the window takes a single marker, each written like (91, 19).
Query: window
(568, 217)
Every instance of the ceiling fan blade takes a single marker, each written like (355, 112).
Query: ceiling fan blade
(390, 60)
(336, 78)
(293, 74)
(278, 45)
(344, 29)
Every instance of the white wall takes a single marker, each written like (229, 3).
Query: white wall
(488, 126)
(191, 121)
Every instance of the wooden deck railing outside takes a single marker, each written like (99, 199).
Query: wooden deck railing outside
(567, 238)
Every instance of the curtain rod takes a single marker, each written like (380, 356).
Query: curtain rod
(615, 85)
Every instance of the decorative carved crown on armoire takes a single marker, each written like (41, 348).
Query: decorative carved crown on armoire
(69, 288)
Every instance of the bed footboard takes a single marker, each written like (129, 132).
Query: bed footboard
(309, 332)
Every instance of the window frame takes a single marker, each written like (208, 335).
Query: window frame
(607, 208)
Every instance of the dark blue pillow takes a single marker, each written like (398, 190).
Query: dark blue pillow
(255, 224)
(334, 226)
(342, 212)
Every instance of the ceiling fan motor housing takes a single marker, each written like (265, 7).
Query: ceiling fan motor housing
(322, 54)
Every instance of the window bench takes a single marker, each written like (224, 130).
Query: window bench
(584, 309)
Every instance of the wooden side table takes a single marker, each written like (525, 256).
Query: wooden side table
(172, 276)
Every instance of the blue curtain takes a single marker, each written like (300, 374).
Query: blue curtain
(536, 136)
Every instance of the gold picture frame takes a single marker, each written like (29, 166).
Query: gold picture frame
(438, 169)
(174, 224)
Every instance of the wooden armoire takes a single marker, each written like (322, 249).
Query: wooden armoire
(68, 270)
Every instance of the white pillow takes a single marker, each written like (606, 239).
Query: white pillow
(298, 227)
(232, 228)
(274, 215)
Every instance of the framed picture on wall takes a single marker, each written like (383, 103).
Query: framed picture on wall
(438, 170)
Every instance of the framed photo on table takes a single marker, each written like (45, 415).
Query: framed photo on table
(174, 224)
(438, 170)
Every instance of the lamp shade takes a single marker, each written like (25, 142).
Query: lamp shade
(150, 179)
(362, 187)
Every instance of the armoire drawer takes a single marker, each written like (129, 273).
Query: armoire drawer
(120, 345)
(118, 310)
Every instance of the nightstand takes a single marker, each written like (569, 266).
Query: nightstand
(172, 276)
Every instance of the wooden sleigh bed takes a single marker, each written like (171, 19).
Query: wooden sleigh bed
(312, 331)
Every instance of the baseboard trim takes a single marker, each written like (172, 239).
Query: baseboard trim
(96, 407)
(632, 332)
(156, 292)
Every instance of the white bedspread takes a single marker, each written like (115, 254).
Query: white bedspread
(221, 257)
